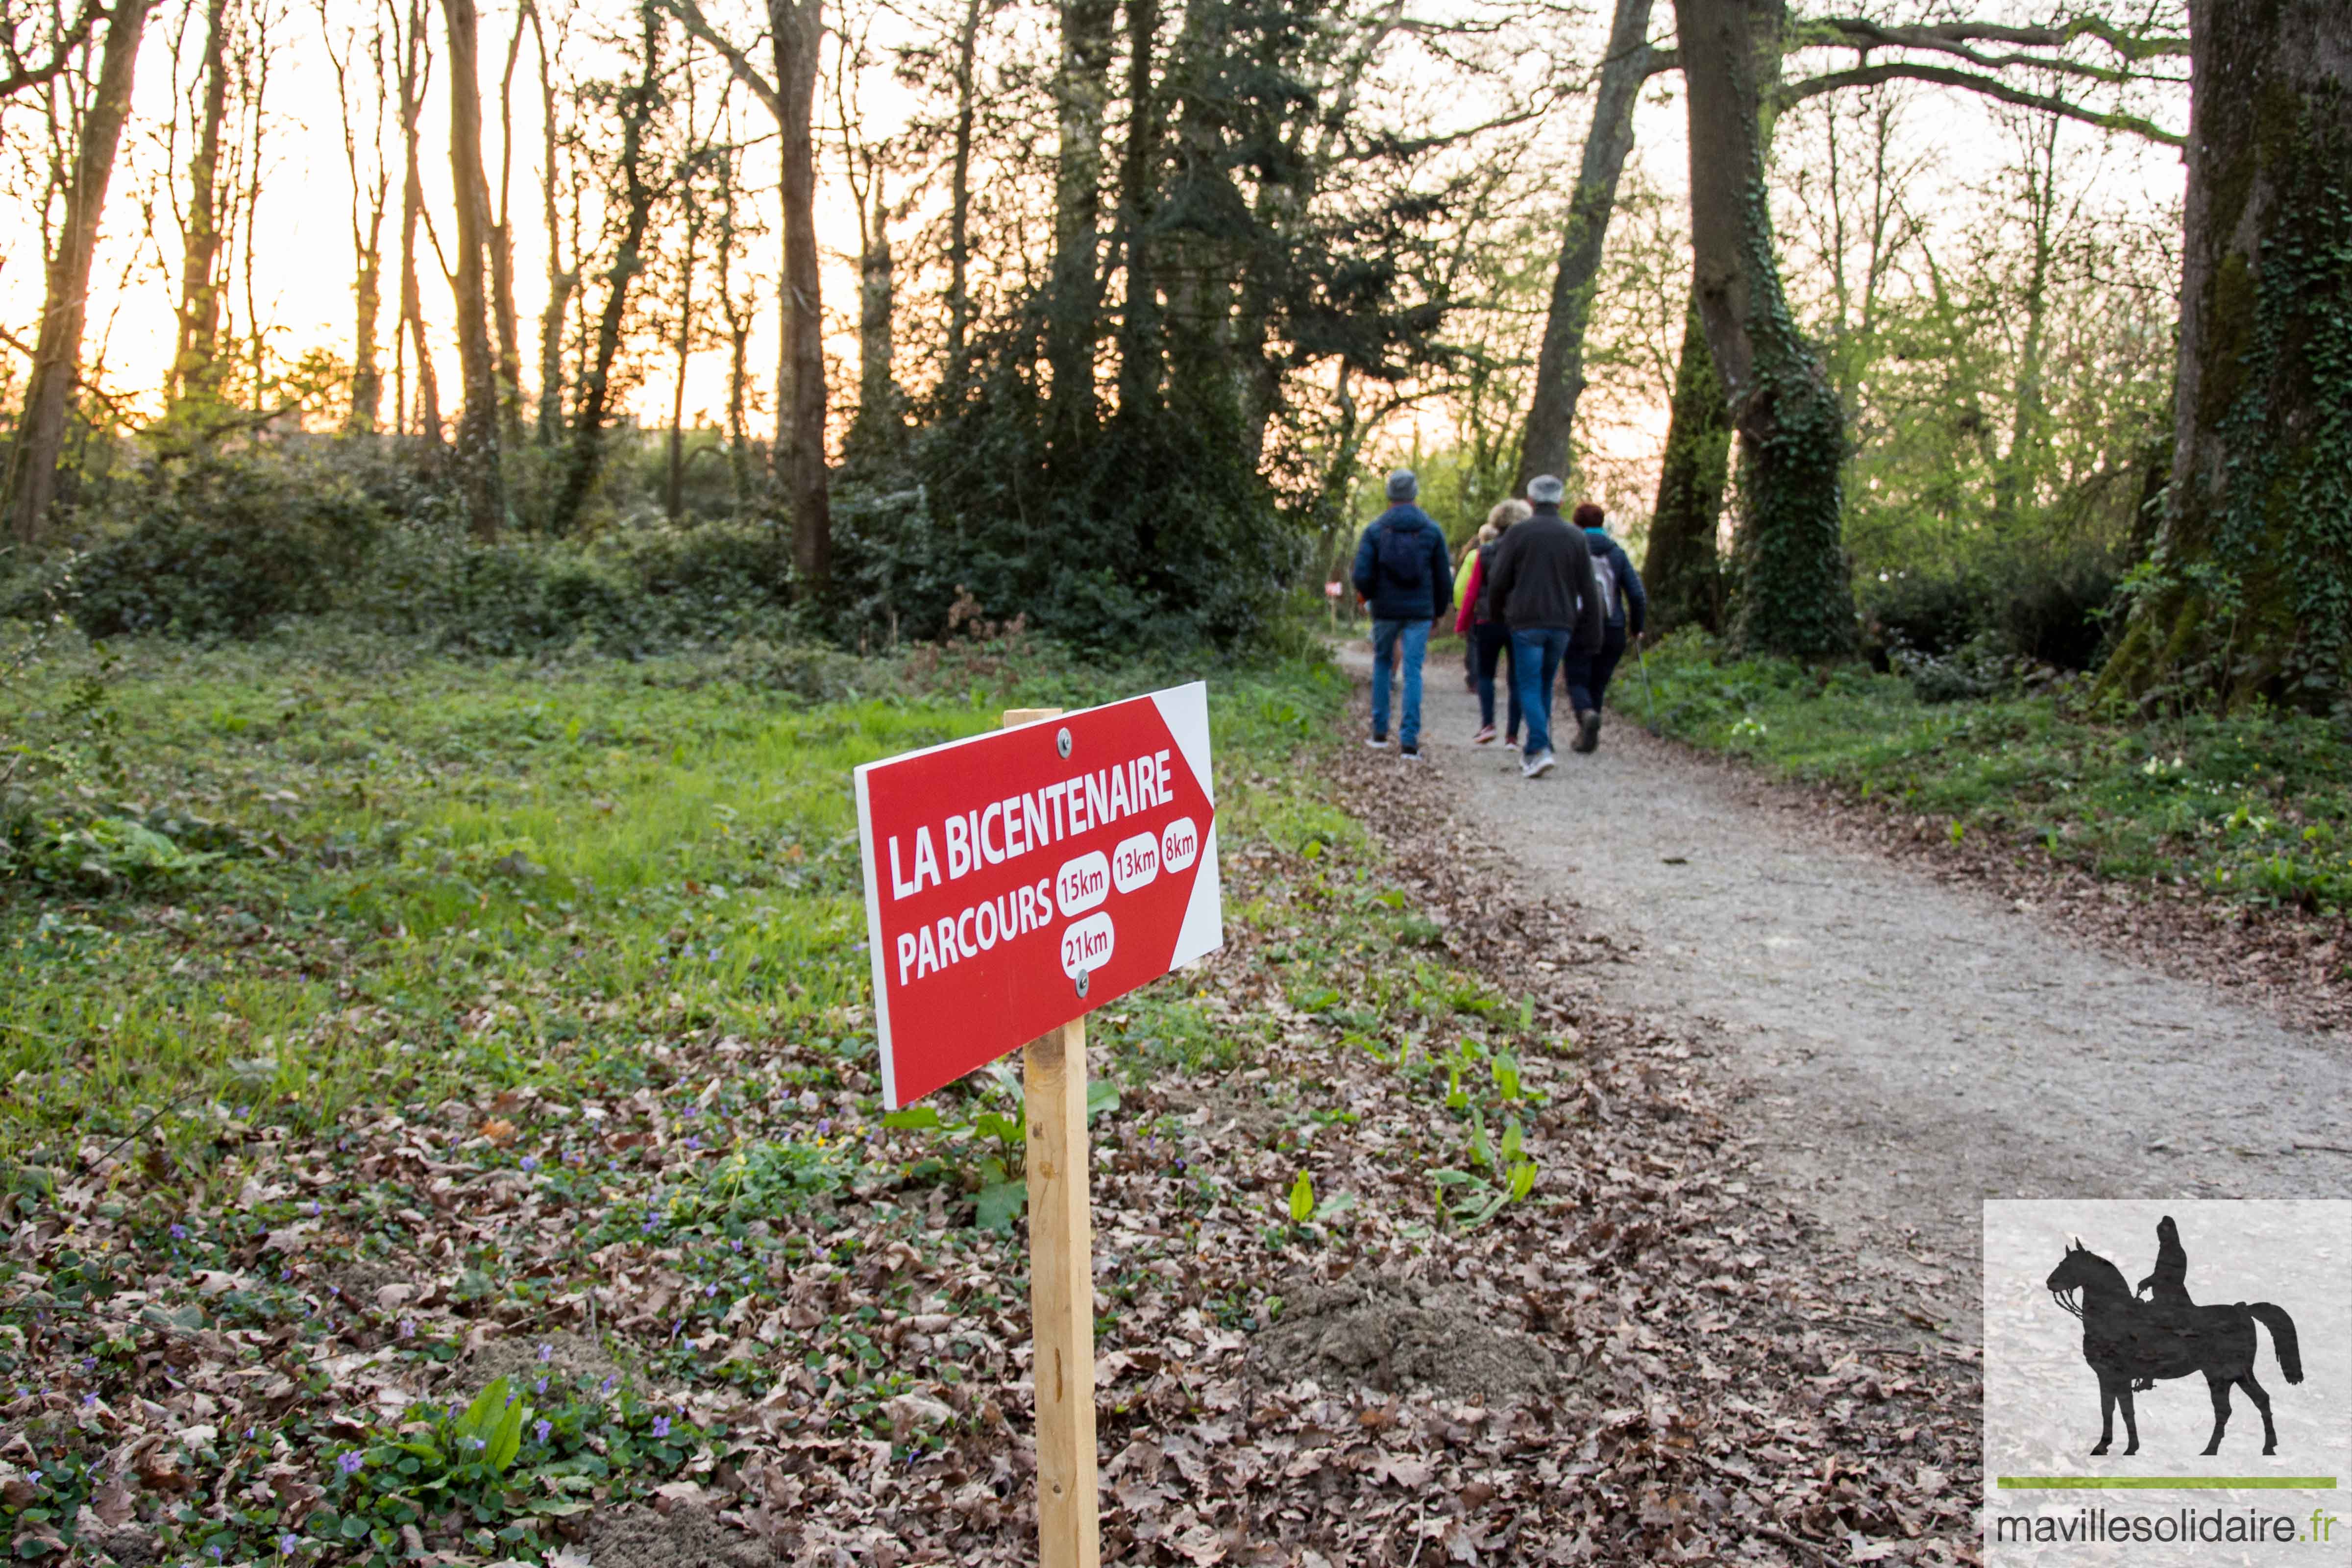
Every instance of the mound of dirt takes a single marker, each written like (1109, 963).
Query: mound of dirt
(682, 1538)
(525, 1358)
(1247, 1114)
(1392, 1335)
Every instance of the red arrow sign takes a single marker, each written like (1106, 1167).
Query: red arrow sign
(1017, 879)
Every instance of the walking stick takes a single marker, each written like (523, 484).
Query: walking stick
(1649, 692)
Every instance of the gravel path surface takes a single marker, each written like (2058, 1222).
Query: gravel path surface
(1908, 1048)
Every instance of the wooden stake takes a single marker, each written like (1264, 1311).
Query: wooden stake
(1061, 1283)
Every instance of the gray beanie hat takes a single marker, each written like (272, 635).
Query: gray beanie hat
(1402, 486)
(1546, 489)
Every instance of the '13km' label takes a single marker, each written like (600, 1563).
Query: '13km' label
(1082, 883)
(1087, 944)
(1179, 846)
(1135, 862)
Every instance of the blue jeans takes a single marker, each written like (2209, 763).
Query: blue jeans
(1534, 665)
(1416, 644)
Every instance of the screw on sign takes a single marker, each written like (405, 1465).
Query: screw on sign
(1014, 881)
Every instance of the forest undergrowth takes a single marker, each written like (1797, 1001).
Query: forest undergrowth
(467, 1149)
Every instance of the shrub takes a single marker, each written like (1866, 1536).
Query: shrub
(2048, 605)
(630, 593)
(224, 547)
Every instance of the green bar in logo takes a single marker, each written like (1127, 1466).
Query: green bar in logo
(2163, 1483)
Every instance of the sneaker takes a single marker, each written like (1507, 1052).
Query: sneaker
(1587, 732)
(1535, 767)
(1512, 740)
(1410, 754)
(1485, 737)
(1378, 742)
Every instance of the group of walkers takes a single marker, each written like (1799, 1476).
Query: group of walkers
(1558, 598)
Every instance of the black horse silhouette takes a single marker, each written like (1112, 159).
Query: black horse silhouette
(2124, 1339)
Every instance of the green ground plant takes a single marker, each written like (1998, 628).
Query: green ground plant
(2255, 807)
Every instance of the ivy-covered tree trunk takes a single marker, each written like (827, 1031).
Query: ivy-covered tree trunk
(1083, 87)
(1795, 597)
(878, 420)
(585, 461)
(1682, 570)
(1560, 362)
(2250, 589)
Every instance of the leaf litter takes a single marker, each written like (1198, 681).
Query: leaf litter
(770, 1332)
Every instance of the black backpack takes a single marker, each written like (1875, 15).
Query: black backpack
(1485, 610)
(1402, 554)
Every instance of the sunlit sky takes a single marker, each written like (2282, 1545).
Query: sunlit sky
(303, 265)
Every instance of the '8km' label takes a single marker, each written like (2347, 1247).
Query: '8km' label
(1135, 862)
(1087, 944)
(1082, 883)
(1179, 846)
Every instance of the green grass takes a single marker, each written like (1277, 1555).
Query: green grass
(393, 875)
(2256, 808)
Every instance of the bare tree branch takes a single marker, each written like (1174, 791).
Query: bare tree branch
(1861, 34)
(689, 14)
(1991, 87)
(2131, 46)
(26, 75)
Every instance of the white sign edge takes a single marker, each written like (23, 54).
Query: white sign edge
(1184, 710)
(878, 958)
(1203, 930)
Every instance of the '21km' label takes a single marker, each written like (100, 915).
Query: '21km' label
(1087, 944)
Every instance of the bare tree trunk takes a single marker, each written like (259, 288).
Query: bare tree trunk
(416, 67)
(1139, 345)
(960, 201)
(681, 349)
(366, 220)
(478, 425)
(560, 279)
(2016, 472)
(587, 456)
(501, 245)
(796, 30)
(1082, 89)
(1546, 447)
(32, 477)
(1796, 598)
(1681, 569)
(195, 375)
(2251, 589)
(738, 313)
(253, 88)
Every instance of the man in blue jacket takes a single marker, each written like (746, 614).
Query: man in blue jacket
(1625, 607)
(1404, 572)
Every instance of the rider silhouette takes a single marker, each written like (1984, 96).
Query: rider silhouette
(2167, 1285)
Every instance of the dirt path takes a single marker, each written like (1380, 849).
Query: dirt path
(1906, 1048)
